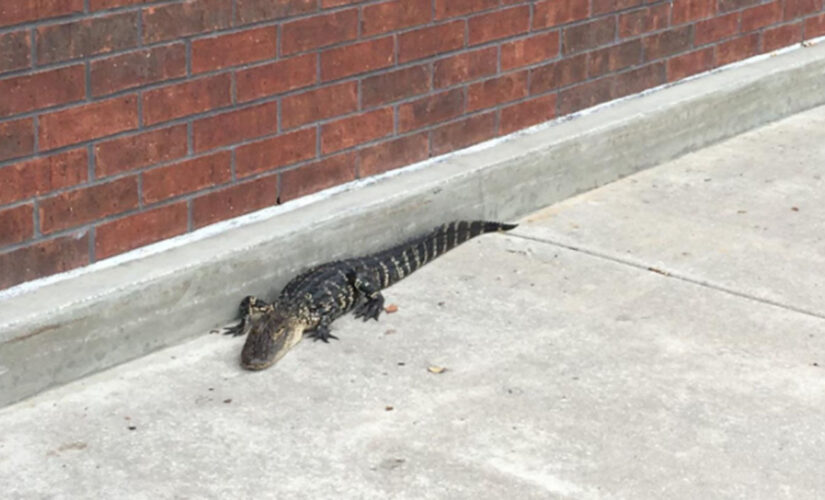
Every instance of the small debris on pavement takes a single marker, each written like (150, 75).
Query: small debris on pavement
(227, 401)
(389, 332)
(132, 427)
(391, 308)
(655, 270)
(795, 209)
(388, 408)
(436, 369)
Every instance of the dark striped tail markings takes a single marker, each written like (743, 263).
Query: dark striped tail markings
(404, 259)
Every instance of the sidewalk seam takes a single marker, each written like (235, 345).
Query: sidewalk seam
(669, 274)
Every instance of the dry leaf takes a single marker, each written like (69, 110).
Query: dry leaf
(436, 369)
(391, 308)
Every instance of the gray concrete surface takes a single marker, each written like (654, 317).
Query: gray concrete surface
(64, 330)
(643, 340)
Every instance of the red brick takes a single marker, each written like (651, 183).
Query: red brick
(323, 174)
(530, 50)
(252, 11)
(689, 64)
(15, 51)
(235, 126)
(190, 17)
(429, 41)
(499, 24)
(737, 49)
(89, 121)
(610, 6)
(399, 84)
(589, 35)
(326, 4)
(276, 152)
(465, 67)
(16, 138)
(277, 77)
(41, 175)
(690, 10)
(140, 229)
(394, 15)
(235, 200)
(716, 29)
(431, 109)
(43, 259)
(761, 16)
(84, 205)
(351, 131)
(454, 8)
(187, 98)
(319, 31)
(585, 95)
(187, 176)
(731, 5)
(96, 5)
(639, 79)
(815, 26)
(782, 36)
(558, 74)
(138, 68)
(612, 59)
(667, 43)
(496, 91)
(140, 150)
(795, 9)
(209, 54)
(87, 37)
(393, 154)
(556, 12)
(21, 11)
(526, 114)
(463, 133)
(41, 90)
(357, 58)
(319, 104)
(16, 224)
(641, 21)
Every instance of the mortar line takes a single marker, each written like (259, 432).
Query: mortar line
(670, 274)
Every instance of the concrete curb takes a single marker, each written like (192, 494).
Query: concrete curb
(68, 328)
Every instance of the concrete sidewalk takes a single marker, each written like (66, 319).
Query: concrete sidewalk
(661, 337)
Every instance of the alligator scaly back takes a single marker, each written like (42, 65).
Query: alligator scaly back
(313, 299)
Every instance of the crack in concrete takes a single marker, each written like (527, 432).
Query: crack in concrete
(670, 274)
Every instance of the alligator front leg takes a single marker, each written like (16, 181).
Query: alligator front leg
(321, 332)
(250, 309)
(374, 303)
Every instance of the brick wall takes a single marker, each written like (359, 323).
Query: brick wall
(124, 122)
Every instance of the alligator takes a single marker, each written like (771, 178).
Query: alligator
(311, 301)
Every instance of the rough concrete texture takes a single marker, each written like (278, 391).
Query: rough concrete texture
(570, 373)
(65, 330)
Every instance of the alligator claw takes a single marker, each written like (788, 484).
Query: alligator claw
(323, 334)
(370, 309)
(242, 328)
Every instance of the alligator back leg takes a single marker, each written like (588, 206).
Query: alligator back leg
(373, 302)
